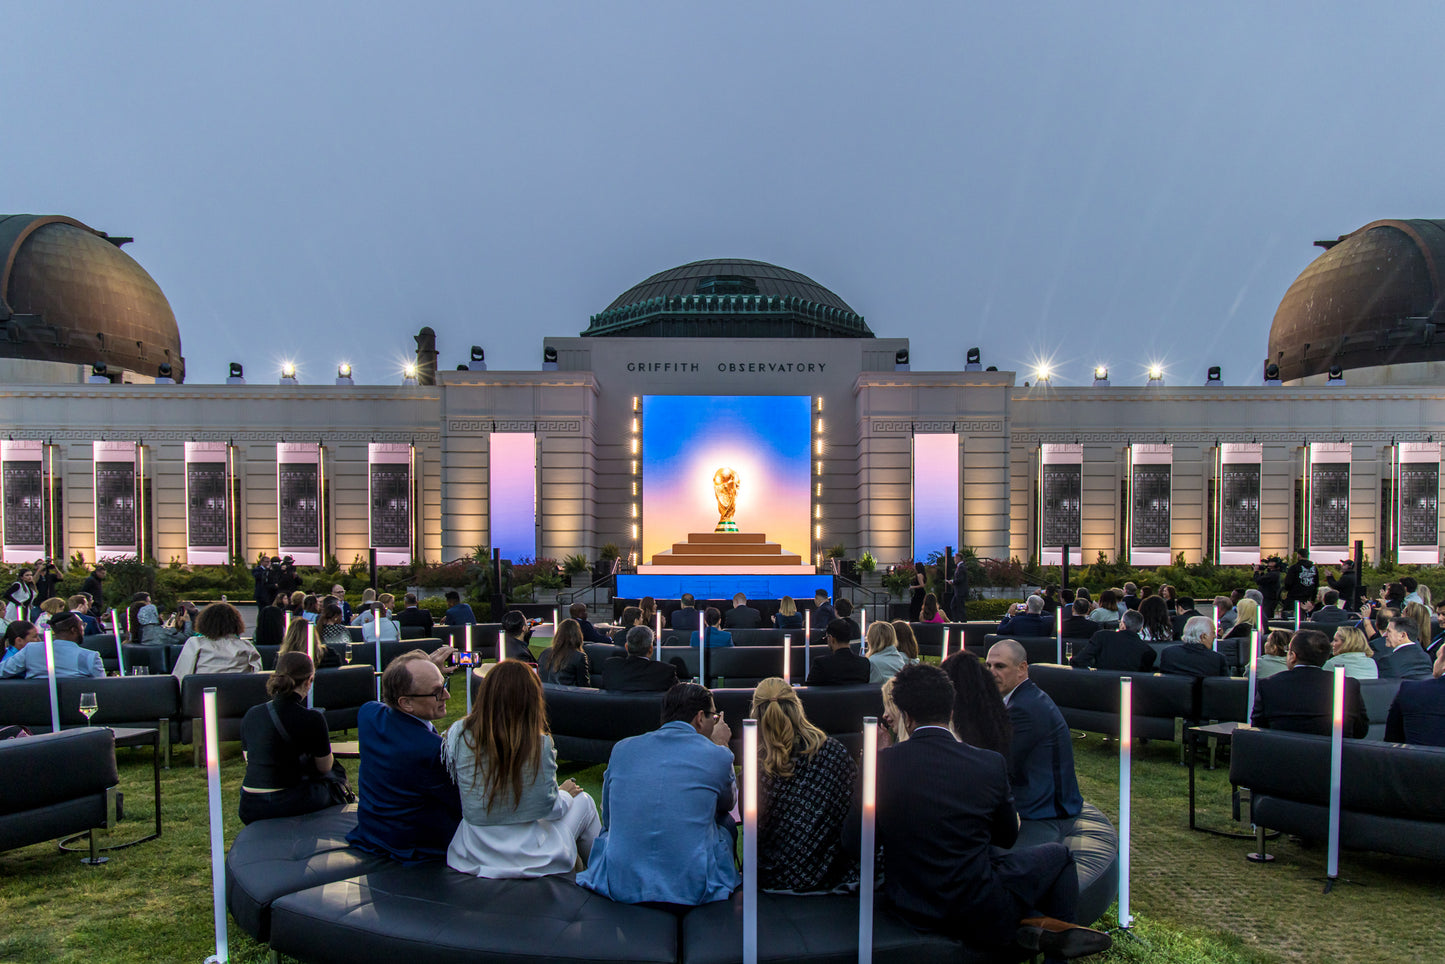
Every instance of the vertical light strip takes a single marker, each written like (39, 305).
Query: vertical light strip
(376, 624)
(945, 644)
(1059, 631)
(233, 537)
(1126, 754)
(469, 669)
(1337, 751)
(50, 675)
(414, 516)
(1253, 671)
(868, 847)
(140, 504)
(807, 645)
(218, 832)
(701, 648)
(115, 629)
(315, 660)
(788, 658)
(750, 842)
(1128, 502)
(321, 505)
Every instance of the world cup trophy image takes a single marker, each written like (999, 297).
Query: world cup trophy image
(725, 488)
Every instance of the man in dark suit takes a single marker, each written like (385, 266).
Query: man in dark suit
(1078, 625)
(1027, 620)
(1183, 612)
(1417, 714)
(638, 672)
(957, 581)
(1195, 656)
(409, 807)
(945, 813)
(590, 633)
(631, 616)
(823, 611)
(413, 615)
(1405, 659)
(1122, 650)
(742, 616)
(516, 638)
(1131, 596)
(841, 665)
(685, 616)
(1041, 753)
(1333, 613)
(1301, 699)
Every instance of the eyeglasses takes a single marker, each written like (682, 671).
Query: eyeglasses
(440, 693)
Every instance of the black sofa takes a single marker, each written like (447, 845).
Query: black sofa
(339, 692)
(293, 883)
(68, 786)
(1089, 700)
(1390, 798)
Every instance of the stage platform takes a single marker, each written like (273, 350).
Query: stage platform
(726, 552)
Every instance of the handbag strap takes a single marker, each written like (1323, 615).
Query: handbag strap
(276, 721)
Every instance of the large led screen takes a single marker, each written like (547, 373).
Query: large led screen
(935, 494)
(22, 480)
(298, 501)
(390, 513)
(688, 443)
(208, 528)
(1418, 509)
(512, 488)
(1329, 497)
(114, 465)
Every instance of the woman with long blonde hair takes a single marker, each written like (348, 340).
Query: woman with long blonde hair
(516, 820)
(1353, 653)
(304, 637)
(884, 656)
(805, 790)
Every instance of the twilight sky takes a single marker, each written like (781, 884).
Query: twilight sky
(1104, 182)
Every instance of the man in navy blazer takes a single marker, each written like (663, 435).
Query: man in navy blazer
(1031, 623)
(1122, 650)
(823, 611)
(1041, 753)
(1301, 699)
(945, 813)
(1195, 655)
(1417, 714)
(408, 806)
(1404, 659)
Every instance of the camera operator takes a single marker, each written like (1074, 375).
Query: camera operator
(1267, 578)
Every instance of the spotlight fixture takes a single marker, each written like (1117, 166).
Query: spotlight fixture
(991, 368)
(343, 374)
(408, 375)
(1101, 376)
(163, 374)
(975, 360)
(99, 374)
(900, 360)
(1156, 375)
(1271, 374)
(1042, 375)
(479, 359)
(549, 359)
(237, 374)
(288, 373)
(1337, 375)
(463, 368)
(1214, 377)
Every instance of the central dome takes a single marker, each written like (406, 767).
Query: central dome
(729, 298)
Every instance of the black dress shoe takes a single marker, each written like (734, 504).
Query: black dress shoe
(1060, 939)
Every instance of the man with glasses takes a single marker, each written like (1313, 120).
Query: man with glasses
(666, 799)
(409, 807)
(1195, 656)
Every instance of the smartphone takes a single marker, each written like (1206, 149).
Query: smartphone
(460, 658)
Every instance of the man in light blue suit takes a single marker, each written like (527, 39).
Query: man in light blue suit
(666, 800)
(70, 659)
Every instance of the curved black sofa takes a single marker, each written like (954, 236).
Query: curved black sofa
(1390, 797)
(293, 883)
(68, 785)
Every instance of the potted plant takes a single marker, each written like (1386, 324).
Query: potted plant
(574, 565)
(606, 559)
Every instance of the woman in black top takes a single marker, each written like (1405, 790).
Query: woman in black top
(565, 662)
(284, 769)
(271, 623)
(920, 588)
(304, 637)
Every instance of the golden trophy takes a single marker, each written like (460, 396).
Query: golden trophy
(725, 488)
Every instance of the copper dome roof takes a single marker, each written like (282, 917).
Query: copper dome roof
(69, 294)
(1373, 298)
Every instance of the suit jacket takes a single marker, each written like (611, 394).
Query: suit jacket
(514, 648)
(415, 616)
(1193, 659)
(1115, 650)
(1301, 700)
(942, 806)
(1418, 713)
(684, 618)
(1041, 757)
(591, 634)
(824, 615)
(742, 617)
(1334, 616)
(838, 668)
(716, 638)
(637, 674)
(1026, 626)
(1405, 662)
(1079, 627)
(1179, 621)
(409, 808)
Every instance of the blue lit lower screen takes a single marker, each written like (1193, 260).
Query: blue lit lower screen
(722, 587)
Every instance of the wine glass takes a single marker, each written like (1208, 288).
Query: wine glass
(350, 652)
(88, 706)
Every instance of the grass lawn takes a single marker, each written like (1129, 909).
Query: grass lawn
(1195, 899)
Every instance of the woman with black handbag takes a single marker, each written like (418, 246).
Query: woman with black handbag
(289, 766)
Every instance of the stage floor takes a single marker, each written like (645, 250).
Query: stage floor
(669, 570)
(712, 584)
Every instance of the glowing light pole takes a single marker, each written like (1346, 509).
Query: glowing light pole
(869, 833)
(750, 842)
(1337, 755)
(218, 833)
(50, 675)
(807, 645)
(1126, 753)
(1059, 632)
(787, 659)
(115, 630)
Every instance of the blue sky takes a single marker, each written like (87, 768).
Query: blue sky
(1109, 182)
